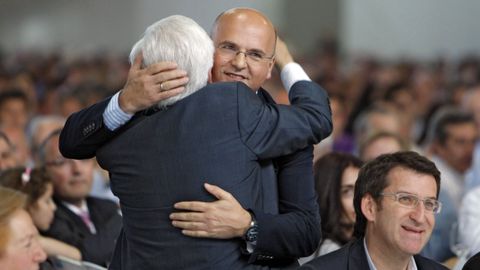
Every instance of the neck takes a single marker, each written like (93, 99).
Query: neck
(384, 257)
(76, 202)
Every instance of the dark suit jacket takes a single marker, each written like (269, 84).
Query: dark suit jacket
(353, 257)
(218, 135)
(69, 228)
(289, 221)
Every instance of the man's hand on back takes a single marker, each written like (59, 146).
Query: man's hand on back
(222, 219)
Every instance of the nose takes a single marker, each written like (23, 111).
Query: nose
(418, 213)
(39, 254)
(240, 60)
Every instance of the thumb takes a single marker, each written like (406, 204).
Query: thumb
(217, 192)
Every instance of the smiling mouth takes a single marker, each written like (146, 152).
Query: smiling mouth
(412, 230)
(236, 77)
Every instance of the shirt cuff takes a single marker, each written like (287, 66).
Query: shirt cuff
(113, 116)
(292, 73)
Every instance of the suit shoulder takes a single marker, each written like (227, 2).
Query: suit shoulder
(332, 260)
(425, 263)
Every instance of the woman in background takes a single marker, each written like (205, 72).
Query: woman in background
(37, 186)
(19, 240)
(335, 177)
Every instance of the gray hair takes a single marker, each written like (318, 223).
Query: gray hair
(178, 39)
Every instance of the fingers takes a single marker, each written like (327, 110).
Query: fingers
(189, 225)
(218, 192)
(172, 83)
(191, 206)
(198, 234)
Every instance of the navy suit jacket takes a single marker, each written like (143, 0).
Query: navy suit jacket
(69, 228)
(353, 257)
(218, 134)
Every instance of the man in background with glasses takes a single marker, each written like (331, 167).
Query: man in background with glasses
(395, 204)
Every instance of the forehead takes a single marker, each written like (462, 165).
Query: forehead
(467, 129)
(247, 30)
(21, 226)
(407, 180)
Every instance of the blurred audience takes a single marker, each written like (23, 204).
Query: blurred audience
(380, 143)
(38, 189)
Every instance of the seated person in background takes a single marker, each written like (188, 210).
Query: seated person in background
(335, 177)
(38, 188)
(7, 157)
(87, 223)
(395, 204)
(379, 143)
(20, 248)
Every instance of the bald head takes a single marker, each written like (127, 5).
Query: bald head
(247, 17)
(238, 34)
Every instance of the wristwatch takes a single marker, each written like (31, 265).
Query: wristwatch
(252, 231)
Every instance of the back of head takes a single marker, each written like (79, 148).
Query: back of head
(178, 39)
(10, 202)
(372, 179)
(31, 182)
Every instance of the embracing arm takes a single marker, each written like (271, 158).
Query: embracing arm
(87, 130)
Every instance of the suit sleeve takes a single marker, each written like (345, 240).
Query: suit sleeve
(271, 130)
(84, 132)
(295, 232)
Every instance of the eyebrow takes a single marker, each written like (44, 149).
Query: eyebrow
(236, 45)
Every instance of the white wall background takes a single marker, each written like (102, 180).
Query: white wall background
(415, 28)
(86, 25)
(389, 28)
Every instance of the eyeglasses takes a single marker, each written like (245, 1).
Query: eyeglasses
(254, 56)
(411, 201)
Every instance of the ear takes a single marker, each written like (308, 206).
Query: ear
(210, 76)
(369, 207)
(270, 67)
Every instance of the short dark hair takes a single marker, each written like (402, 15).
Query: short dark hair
(328, 172)
(449, 118)
(372, 179)
(13, 94)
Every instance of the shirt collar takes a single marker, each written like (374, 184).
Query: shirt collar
(411, 266)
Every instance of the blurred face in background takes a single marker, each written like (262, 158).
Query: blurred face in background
(72, 179)
(7, 157)
(23, 250)
(42, 212)
(14, 114)
(349, 177)
(457, 150)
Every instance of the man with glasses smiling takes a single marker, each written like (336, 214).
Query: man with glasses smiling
(395, 203)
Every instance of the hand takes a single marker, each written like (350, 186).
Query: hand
(146, 87)
(282, 55)
(222, 219)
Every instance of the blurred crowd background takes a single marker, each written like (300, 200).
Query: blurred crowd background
(393, 68)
